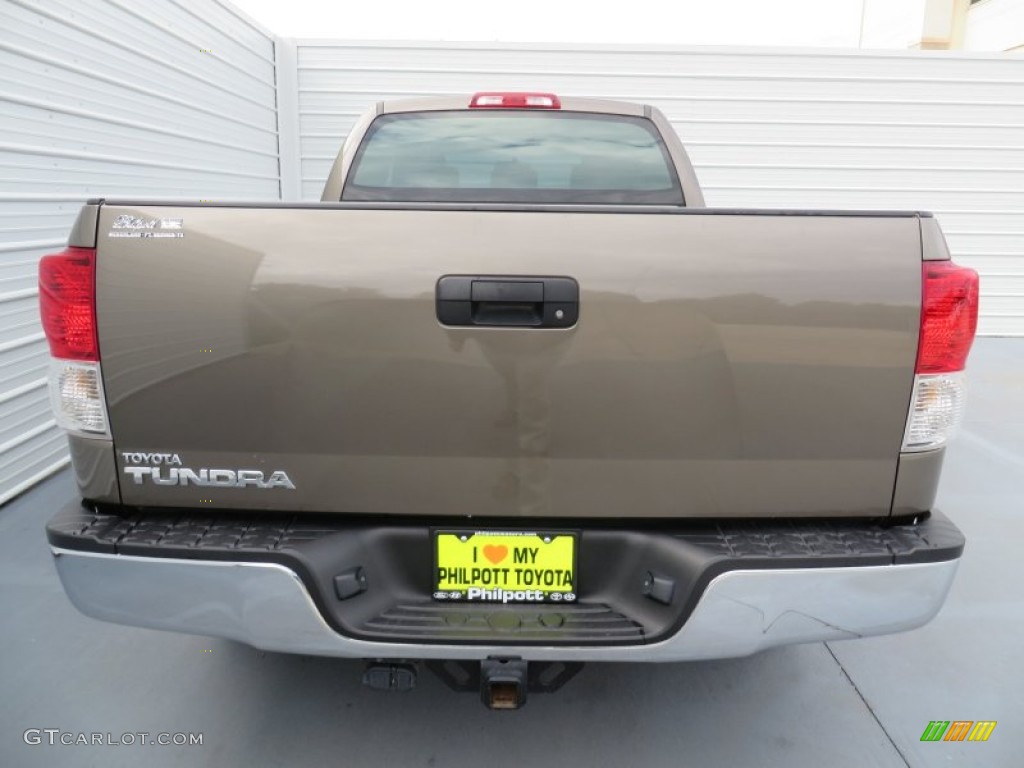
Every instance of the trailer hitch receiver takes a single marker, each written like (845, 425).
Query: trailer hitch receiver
(504, 682)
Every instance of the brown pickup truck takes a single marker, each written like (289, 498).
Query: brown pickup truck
(508, 399)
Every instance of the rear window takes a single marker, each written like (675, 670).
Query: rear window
(502, 156)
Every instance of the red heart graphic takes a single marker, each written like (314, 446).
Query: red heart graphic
(495, 553)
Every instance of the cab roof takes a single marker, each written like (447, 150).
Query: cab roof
(458, 102)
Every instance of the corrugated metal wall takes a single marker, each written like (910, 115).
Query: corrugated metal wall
(813, 129)
(98, 98)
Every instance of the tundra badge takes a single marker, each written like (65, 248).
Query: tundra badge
(168, 471)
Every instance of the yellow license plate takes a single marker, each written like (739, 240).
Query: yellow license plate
(505, 566)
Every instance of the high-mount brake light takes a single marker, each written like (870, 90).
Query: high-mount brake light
(514, 100)
(949, 318)
(67, 309)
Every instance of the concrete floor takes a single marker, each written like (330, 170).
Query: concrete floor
(853, 703)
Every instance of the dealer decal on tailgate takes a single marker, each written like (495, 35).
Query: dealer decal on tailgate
(505, 566)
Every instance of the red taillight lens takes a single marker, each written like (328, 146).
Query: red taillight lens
(949, 316)
(67, 293)
(515, 100)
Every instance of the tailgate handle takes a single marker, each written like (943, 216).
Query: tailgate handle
(507, 301)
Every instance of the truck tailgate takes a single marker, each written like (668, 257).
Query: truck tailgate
(723, 364)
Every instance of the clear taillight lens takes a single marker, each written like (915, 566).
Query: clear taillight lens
(76, 395)
(936, 410)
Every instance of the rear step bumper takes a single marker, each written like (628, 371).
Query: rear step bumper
(737, 588)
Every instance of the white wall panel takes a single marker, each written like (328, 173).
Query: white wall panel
(773, 127)
(168, 98)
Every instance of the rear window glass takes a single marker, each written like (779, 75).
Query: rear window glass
(510, 157)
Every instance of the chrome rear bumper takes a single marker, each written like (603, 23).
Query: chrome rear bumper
(268, 606)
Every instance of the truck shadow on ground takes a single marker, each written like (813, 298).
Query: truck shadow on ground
(615, 714)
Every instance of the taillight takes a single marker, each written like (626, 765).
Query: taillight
(67, 308)
(949, 318)
(515, 100)
(67, 291)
